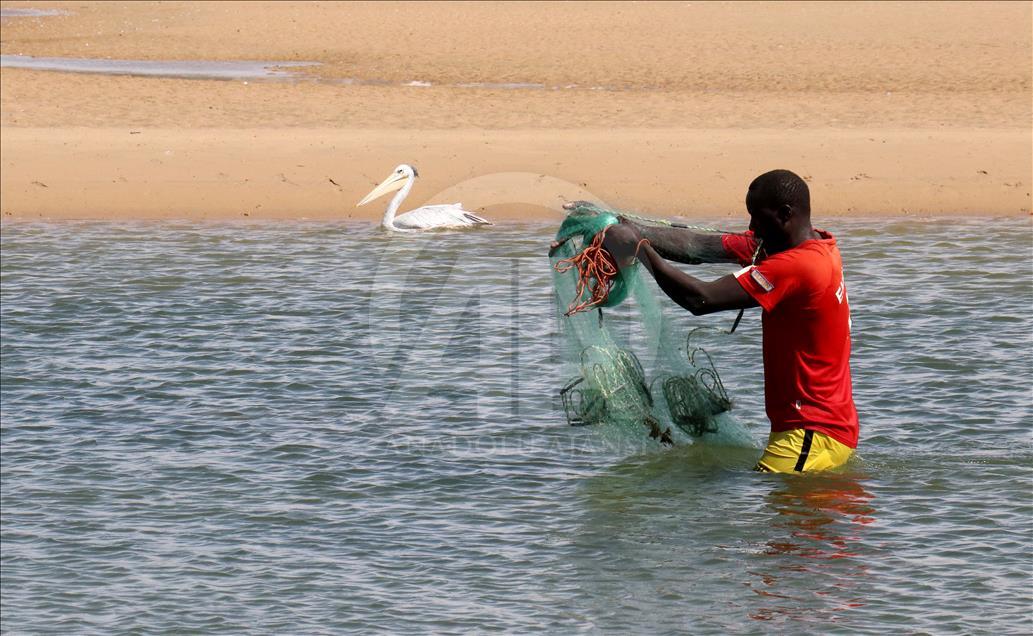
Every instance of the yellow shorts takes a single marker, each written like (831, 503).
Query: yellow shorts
(799, 451)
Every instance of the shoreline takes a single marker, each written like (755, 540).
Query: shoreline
(320, 174)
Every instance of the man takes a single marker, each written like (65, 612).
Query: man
(797, 281)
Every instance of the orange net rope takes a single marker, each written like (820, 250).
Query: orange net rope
(596, 269)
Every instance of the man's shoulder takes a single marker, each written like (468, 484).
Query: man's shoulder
(813, 264)
(811, 251)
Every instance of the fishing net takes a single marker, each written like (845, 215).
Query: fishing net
(638, 373)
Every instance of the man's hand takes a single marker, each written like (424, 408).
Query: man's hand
(570, 206)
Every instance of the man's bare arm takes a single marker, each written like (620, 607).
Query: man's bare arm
(697, 296)
(625, 244)
(684, 245)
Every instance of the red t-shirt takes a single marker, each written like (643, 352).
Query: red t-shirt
(806, 324)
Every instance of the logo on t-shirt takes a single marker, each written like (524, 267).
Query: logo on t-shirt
(761, 280)
(841, 292)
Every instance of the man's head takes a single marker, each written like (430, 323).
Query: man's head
(779, 204)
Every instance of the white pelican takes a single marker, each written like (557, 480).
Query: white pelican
(428, 217)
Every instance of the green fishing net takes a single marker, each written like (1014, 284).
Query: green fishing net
(639, 376)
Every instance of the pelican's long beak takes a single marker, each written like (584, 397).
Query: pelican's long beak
(390, 184)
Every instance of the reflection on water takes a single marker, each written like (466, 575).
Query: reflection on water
(814, 509)
(799, 557)
(816, 519)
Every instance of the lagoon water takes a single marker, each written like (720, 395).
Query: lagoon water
(317, 428)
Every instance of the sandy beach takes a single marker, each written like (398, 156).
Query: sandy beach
(670, 109)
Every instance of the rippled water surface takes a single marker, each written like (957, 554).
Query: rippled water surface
(317, 428)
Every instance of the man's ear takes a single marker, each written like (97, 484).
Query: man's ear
(785, 212)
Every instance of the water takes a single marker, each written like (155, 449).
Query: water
(235, 70)
(183, 69)
(318, 428)
(29, 13)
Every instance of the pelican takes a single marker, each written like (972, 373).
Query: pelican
(428, 217)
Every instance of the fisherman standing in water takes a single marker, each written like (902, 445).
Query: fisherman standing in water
(797, 280)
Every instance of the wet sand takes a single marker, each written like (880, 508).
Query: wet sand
(664, 108)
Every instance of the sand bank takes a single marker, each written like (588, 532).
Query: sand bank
(516, 174)
(667, 108)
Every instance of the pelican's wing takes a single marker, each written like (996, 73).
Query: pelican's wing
(439, 216)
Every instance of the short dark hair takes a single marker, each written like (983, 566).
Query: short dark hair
(781, 187)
